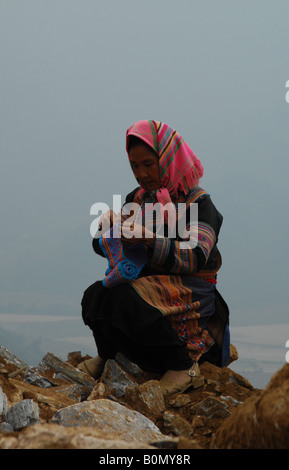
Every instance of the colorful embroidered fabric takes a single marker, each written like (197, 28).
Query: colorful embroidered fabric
(124, 263)
(169, 295)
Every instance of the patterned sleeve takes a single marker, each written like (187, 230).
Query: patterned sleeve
(177, 256)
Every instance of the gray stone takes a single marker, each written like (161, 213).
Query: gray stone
(110, 417)
(116, 379)
(22, 414)
(10, 358)
(65, 371)
(212, 408)
(3, 405)
(176, 425)
(230, 400)
(76, 392)
(33, 377)
(6, 427)
(130, 367)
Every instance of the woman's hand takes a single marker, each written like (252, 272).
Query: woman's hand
(107, 220)
(133, 234)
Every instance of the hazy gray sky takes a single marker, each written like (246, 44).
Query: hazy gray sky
(76, 74)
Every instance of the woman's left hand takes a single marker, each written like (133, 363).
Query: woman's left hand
(133, 234)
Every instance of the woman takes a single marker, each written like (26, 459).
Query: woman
(171, 317)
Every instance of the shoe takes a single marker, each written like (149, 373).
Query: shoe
(196, 381)
(90, 368)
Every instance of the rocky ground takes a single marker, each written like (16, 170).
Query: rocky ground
(56, 406)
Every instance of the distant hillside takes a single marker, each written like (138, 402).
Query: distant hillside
(26, 348)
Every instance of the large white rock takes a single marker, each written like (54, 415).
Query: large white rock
(52, 436)
(109, 416)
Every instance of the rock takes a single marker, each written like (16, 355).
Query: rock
(76, 392)
(22, 414)
(199, 421)
(8, 442)
(261, 422)
(17, 372)
(6, 427)
(212, 408)
(239, 380)
(12, 392)
(99, 391)
(147, 398)
(3, 405)
(130, 367)
(73, 356)
(176, 425)
(48, 396)
(124, 408)
(224, 381)
(116, 379)
(4, 371)
(233, 354)
(180, 400)
(53, 436)
(166, 444)
(34, 377)
(61, 369)
(185, 443)
(109, 416)
(8, 358)
(230, 400)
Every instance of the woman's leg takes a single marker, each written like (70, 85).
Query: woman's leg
(158, 352)
(122, 322)
(172, 361)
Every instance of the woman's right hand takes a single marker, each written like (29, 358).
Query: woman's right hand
(107, 220)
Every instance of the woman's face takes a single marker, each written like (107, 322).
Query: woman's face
(145, 166)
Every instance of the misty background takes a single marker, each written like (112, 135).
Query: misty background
(74, 76)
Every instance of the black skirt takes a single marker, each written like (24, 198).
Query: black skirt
(121, 321)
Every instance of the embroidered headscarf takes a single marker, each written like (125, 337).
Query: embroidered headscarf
(180, 169)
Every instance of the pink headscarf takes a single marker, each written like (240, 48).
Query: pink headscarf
(180, 169)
